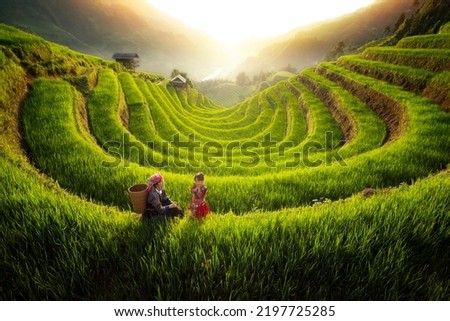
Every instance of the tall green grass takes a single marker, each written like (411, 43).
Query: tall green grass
(166, 130)
(77, 165)
(157, 98)
(276, 127)
(437, 90)
(103, 109)
(319, 118)
(233, 117)
(445, 28)
(13, 36)
(59, 246)
(210, 109)
(392, 246)
(140, 124)
(440, 41)
(382, 167)
(297, 127)
(365, 130)
(412, 79)
(57, 147)
(436, 60)
(208, 133)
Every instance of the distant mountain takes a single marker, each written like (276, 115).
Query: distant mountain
(431, 16)
(102, 27)
(310, 45)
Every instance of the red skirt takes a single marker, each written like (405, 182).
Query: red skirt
(199, 210)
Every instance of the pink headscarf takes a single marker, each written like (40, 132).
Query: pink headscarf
(154, 179)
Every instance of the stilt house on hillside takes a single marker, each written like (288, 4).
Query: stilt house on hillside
(179, 82)
(129, 60)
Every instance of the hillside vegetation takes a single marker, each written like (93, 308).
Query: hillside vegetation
(101, 28)
(330, 185)
(312, 44)
(428, 19)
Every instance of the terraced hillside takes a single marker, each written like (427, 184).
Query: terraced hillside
(329, 185)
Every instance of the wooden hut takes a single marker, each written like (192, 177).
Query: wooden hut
(129, 60)
(179, 82)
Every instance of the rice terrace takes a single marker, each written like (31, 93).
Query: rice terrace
(332, 184)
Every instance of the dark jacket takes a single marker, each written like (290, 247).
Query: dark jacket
(158, 204)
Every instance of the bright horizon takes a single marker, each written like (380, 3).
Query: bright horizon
(232, 21)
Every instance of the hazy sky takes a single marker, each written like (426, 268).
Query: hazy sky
(233, 20)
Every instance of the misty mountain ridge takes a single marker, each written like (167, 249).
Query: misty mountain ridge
(307, 46)
(102, 27)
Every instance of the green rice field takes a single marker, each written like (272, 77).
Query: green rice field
(330, 185)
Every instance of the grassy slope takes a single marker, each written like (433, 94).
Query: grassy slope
(393, 245)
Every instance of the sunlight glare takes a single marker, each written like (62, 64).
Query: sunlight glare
(232, 21)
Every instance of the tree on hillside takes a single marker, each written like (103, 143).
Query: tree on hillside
(177, 72)
(337, 51)
(400, 21)
(242, 79)
(290, 68)
(428, 19)
(132, 65)
(262, 76)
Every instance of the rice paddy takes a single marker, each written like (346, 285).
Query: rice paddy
(331, 185)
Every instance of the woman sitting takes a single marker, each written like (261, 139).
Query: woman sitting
(158, 204)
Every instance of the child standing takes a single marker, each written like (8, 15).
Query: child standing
(199, 207)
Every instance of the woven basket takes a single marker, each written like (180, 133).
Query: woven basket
(138, 195)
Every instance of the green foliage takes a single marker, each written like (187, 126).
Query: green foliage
(3, 59)
(41, 58)
(401, 19)
(65, 158)
(242, 79)
(337, 51)
(176, 72)
(224, 93)
(409, 78)
(12, 36)
(437, 90)
(84, 82)
(440, 41)
(10, 80)
(149, 76)
(445, 28)
(354, 249)
(436, 60)
(61, 243)
(227, 93)
(381, 167)
(429, 18)
(364, 130)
